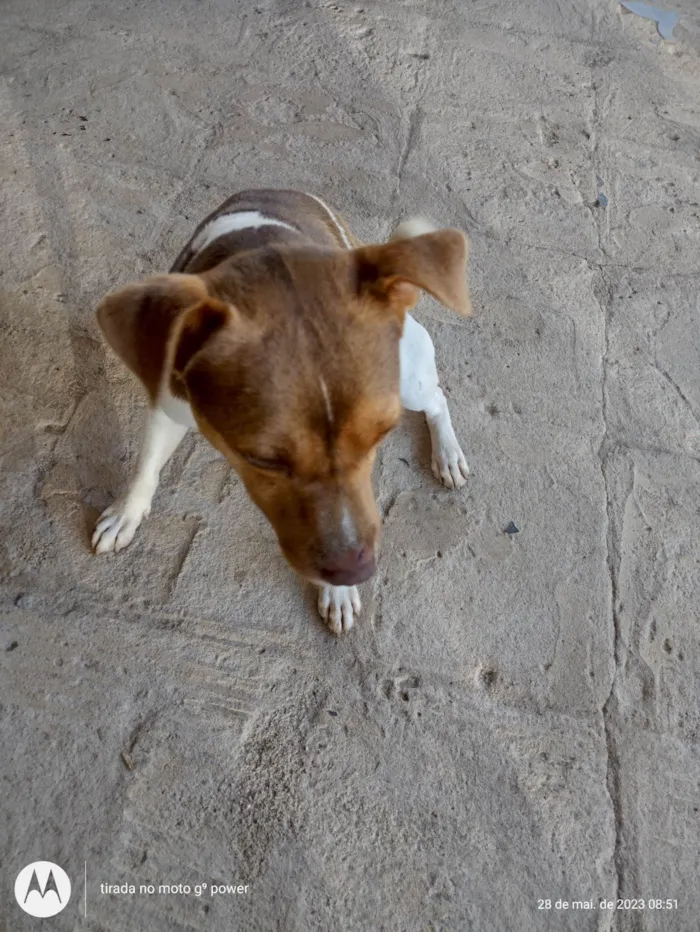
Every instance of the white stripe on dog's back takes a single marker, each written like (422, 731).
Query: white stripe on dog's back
(334, 219)
(231, 223)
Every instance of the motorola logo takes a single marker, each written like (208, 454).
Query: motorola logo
(42, 889)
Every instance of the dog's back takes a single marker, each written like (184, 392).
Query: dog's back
(258, 218)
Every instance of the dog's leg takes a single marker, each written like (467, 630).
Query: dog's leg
(118, 524)
(338, 605)
(420, 391)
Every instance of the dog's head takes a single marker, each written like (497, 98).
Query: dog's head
(289, 359)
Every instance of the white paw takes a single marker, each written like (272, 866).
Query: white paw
(338, 605)
(450, 464)
(118, 523)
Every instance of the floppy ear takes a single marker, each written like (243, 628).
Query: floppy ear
(137, 321)
(195, 328)
(435, 262)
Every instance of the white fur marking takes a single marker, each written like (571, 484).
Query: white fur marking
(231, 223)
(420, 391)
(414, 226)
(336, 222)
(338, 606)
(326, 398)
(177, 409)
(348, 531)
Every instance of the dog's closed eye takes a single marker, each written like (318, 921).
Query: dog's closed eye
(267, 465)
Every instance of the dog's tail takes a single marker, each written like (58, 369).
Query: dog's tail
(414, 226)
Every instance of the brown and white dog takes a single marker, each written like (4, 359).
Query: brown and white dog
(287, 343)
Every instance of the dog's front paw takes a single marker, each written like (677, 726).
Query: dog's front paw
(118, 524)
(450, 464)
(338, 605)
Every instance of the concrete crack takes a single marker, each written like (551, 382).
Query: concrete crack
(183, 556)
(387, 508)
(610, 707)
(595, 264)
(414, 125)
(678, 390)
(594, 209)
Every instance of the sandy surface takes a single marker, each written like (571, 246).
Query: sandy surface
(513, 719)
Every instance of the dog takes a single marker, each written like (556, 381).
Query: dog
(288, 344)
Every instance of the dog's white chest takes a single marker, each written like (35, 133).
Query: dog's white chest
(176, 409)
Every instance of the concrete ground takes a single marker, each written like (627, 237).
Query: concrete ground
(515, 719)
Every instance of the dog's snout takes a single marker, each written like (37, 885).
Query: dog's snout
(348, 567)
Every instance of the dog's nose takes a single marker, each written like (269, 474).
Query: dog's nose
(349, 567)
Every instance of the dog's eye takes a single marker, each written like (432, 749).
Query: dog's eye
(269, 465)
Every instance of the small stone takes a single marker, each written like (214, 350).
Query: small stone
(512, 529)
(128, 762)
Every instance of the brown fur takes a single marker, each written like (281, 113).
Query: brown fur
(247, 342)
(137, 321)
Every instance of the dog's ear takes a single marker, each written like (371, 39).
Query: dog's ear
(137, 321)
(195, 328)
(434, 261)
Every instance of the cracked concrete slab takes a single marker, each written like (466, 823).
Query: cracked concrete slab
(515, 717)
